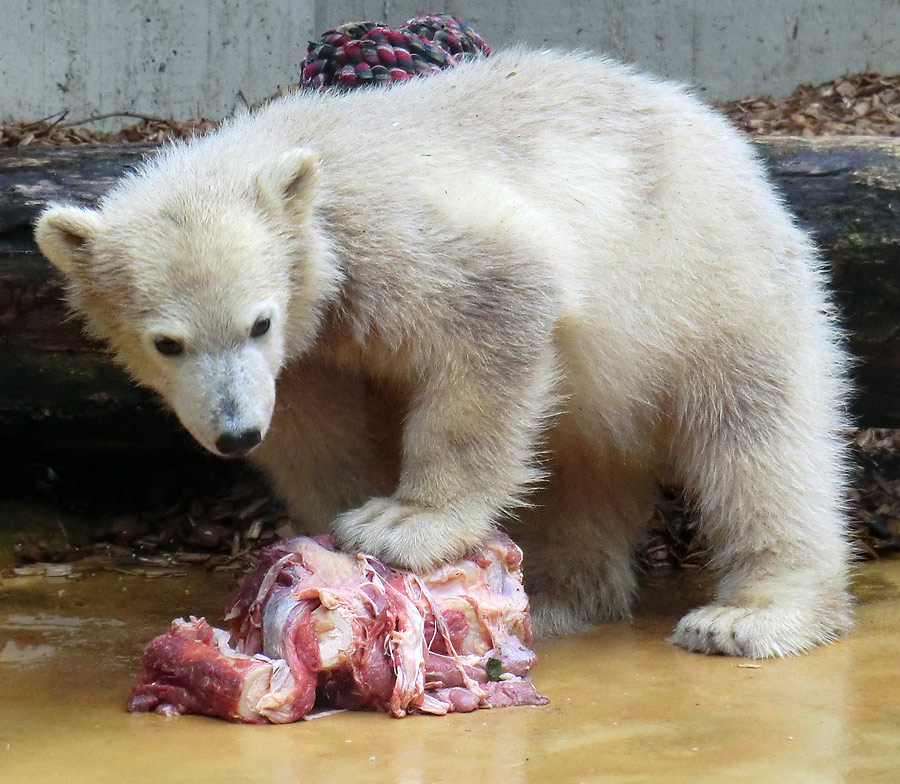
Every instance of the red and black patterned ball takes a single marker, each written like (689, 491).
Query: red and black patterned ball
(364, 53)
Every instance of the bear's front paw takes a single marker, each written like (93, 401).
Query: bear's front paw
(407, 535)
(761, 632)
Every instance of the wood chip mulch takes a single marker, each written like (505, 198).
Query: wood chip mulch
(151, 521)
(866, 104)
(861, 104)
(220, 523)
(59, 131)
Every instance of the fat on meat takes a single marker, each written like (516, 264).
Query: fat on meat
(314, 624)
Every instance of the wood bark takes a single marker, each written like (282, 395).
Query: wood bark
(846, 192)
(56, 385)
(59, 390)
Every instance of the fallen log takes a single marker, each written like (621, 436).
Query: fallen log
(55, 385)
(846, 191)
(57, 388)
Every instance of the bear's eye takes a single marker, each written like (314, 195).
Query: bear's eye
(260, 327)
(169, 346)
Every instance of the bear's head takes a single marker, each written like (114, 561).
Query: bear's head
(203, 279)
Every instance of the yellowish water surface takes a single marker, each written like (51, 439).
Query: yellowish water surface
(626, 705)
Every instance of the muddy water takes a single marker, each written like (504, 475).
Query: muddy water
(626, 706)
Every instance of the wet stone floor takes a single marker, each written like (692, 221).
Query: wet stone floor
(626, 706)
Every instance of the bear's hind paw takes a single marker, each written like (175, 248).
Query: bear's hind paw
(759, 632)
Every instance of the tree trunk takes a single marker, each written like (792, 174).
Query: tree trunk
(56, 386)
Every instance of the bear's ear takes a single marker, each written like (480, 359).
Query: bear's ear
(62, 234)
(291, 181)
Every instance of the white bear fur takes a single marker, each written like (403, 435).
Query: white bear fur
(521, 292)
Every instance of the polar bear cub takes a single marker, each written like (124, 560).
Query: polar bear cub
(521, 292)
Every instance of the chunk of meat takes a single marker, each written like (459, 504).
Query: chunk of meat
(314, 622)
(192, 669)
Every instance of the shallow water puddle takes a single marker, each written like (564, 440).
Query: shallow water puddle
(626, 705)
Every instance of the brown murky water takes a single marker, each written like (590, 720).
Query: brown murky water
(626, 705)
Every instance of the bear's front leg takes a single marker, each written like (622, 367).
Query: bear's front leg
(468, 455)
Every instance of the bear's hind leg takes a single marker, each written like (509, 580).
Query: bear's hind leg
(579, 536)
(759, 450)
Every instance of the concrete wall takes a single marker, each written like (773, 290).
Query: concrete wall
(182, 58)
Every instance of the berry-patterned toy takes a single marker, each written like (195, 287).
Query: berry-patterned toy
(362, 53)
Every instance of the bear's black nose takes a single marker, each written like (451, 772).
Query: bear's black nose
(236, 444)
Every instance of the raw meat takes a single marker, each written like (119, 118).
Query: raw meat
(314, 622)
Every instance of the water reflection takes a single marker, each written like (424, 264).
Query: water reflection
(12, 652)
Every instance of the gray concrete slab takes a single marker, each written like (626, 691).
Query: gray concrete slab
(180, 58)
